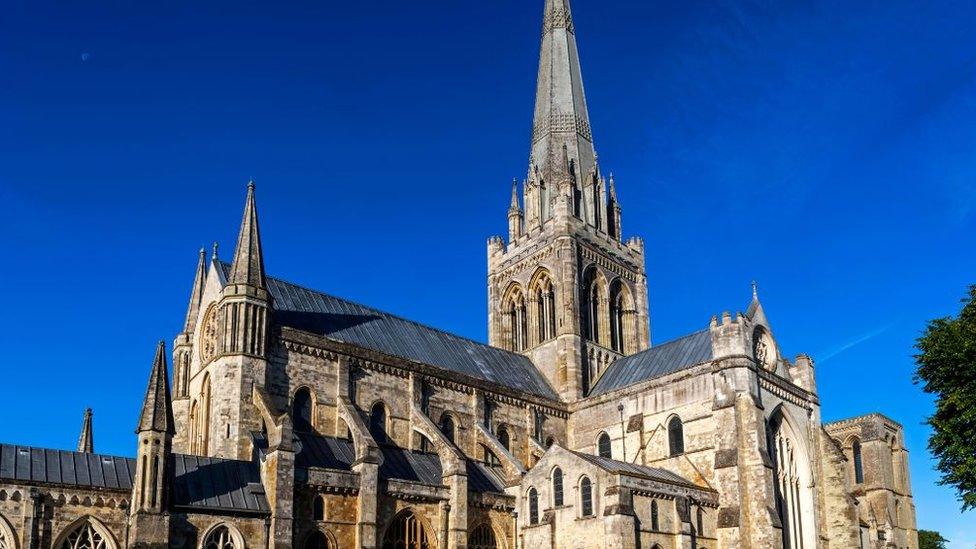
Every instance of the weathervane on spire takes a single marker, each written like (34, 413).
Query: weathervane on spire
(755, 290)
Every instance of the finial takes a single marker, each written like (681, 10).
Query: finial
(215, 246)
(250, 184)
(755, 290)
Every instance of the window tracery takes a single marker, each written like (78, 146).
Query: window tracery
(85, 536)
(407, 532)
(222, 538)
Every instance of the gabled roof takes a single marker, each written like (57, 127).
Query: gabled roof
(632, 469)
(398, 463)
(217, 484)
(660, 360)
(43, 466)
(349, 322)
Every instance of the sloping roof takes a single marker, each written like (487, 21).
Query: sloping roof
(398, 463)
(40, 465)
(657, 361)
(198, 482)
(218, 484)
(624, 468)
(349, 322)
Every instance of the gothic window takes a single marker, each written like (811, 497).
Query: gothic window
(318, 508)
(593, 313)
(425, 394)
(86, 536)
(793, 496)
(317, 540)
(557, 487)
(539, 420)
(488, 409)
(222, 538)
(533, 506)
(514, 319)
(858, 463)
(483, 537)
(623, 331)
(491, 459)
(377, 423)
(586, 497)
(203, 429)
(407, 532)
(301, 410)
(544, 302)
(655, 520)
(447, 427)
(503, 438)
(4, 542)
(676, 437)
(603, 446)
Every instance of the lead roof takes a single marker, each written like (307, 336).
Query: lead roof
(660, 360)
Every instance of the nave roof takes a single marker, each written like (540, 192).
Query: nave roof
(659, 360)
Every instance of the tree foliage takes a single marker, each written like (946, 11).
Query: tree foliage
(947, 369)
(927, 539)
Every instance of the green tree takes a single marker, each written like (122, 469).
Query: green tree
(947, 369)
(927, 539)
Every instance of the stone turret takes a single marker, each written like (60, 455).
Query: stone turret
(514, 215)
(86, 440)
(150, 492)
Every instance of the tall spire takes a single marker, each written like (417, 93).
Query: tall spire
(561, 117)
(196, 294)
(514, 207)
(248, 266)
(86, 441)
(157, 409)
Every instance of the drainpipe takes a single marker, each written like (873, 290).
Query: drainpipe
(623, 430)
(267, 532)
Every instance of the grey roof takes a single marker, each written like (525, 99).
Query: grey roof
(39, 465)
(657, 361)
(198, 482)
(349, 322)
(624, 468)
(398, 463)
(218, 484)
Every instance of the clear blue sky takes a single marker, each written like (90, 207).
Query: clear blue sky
(826, 149)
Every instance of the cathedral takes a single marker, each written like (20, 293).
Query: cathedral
(282, 416)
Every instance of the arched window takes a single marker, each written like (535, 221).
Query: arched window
(557, 487)
(549, 442)
(482, 537)
(533, 506)
(407, 532)
(858, 463)
(623, 331)
(503, 438)
(317, 540)
(447, 427)
(793, 490)
(514, 319)
(301, 410)
(544, 302)
(318, 508)
(203, 429)
(592, 317)
(222, 537)
(655, 520)
(491, 459)
(377, 423)
(6, 535)
(603, 446)
(586, 497)
(86, 534)
(676, 436)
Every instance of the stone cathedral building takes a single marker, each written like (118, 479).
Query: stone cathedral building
(294, 418)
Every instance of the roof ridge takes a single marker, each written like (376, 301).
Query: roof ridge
(393, 315)
(31, 447)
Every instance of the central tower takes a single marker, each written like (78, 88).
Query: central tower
(565, 290)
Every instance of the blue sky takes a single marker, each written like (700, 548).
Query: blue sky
(825, 149)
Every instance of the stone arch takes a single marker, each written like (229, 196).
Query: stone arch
(449, 426)
(586, 496)
(87, 532)
(542, 306)
(379, 421)
(303, 409)
(320, 539)
(623, 318)
(222, 535)
(603, 445)
(204, 413)
(792, 481)
(557, 484)
(8, 540)
(484, 536)
(408, 530)
(514, 318)
(676, 435)
(594, 306)
(532, 505)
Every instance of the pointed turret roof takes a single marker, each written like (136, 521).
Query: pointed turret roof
(514, 208)
(248, 265)
(86, 441)
(196, 294)
(157, 408)
(561, 116)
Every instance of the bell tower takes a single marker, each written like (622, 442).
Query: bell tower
(565, 289)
